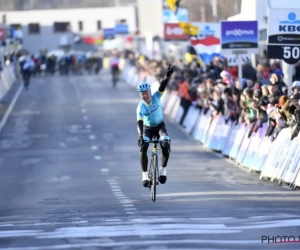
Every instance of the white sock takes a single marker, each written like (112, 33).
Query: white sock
(145, 176)
(163, 171)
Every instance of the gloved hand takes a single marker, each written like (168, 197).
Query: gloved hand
(140, 140)
(170, 71)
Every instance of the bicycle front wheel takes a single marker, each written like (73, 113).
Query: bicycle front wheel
(153, 180)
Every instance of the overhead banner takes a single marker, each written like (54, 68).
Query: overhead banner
(239, 36)
(284, 35)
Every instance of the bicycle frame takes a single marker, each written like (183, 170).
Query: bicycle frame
(153, 171)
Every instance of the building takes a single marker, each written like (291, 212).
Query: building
(55, 28)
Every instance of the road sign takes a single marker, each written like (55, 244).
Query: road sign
(284, 35)
(239, 36)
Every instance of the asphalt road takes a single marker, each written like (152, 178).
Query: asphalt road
(70, 179)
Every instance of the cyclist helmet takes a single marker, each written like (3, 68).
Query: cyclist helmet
(144, 86)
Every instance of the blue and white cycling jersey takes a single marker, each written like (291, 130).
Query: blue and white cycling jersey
(152, 114)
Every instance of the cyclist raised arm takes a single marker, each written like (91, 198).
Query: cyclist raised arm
(150, 122)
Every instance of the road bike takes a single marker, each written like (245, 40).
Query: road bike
(153, 172)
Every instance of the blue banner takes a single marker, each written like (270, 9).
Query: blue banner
(169, 16)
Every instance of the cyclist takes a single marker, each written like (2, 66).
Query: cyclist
(150, 122)
(114, 67)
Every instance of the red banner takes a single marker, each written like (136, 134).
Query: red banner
(2, 33)
(172, 31)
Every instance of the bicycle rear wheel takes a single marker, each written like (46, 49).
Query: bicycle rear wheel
(154, 179)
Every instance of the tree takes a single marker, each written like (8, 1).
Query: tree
(225, 9)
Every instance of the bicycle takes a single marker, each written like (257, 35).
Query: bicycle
(153, 173)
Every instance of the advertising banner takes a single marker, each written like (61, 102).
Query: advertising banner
(284, 35)
(239, 36)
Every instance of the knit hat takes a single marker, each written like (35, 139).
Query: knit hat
(282, 100)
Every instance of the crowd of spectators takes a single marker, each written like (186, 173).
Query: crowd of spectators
(261, 98)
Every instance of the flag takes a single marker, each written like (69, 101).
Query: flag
(172, 5)
(189, 29)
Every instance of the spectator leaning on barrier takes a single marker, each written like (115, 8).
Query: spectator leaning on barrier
(283, 109)
(185, 100)
(277, 81)
(250, 116)
(261, 108)
(229, 105)
(216, 103)
(294, 109)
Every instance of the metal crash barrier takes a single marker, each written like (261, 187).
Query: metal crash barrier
(7, 78)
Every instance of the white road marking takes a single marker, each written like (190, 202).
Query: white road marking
(59, 179)
(97, 157)
(136, 243)
(83, 110)
(127, 205)
(118, 193)
(88, 126)
(10, 107)
(130, 208)
(125, 201)
(105, 170)
(116, 189)
(94, 147)
(92, 137)
(113, 220)
(62, 144)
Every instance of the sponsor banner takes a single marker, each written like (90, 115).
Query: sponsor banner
(172, 31)
(109, 33)
(121, 29)
(239, 36)
(284, 35)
